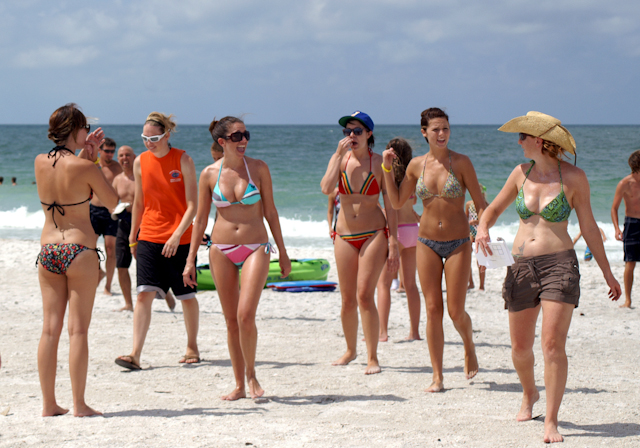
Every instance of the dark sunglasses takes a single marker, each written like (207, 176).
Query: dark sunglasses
(523, 136)
(357, 131)
(109, 151)
(237, 136)
(87, 127)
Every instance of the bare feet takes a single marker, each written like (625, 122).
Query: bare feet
(470, 364)
(190, 359)
(372, 368)
(344, 359)
(383, 337)
(53, 411)
(471, 286)
(106, 292)
(436, 386)
(126, 308)
(254, 388)
(235, 394)
(85, 411)
(551, 434)
(526, 410)
(626, 304)
(413, 337)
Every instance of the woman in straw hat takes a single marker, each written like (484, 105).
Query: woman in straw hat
(440, 179)
(545, 274)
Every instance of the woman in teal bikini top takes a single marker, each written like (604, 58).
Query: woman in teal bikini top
(557, 210)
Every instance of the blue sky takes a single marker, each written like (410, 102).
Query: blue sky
(310, 62)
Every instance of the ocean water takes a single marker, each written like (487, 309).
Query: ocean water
(297, 157)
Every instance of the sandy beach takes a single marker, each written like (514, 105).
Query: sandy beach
(308, 402)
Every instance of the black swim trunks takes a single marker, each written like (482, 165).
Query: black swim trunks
(123, 251)
(631, 239)
(102, 222)
(155, 272)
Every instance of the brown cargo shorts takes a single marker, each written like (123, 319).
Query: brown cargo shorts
(551, 276)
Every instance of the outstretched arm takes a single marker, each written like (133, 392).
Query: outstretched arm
(191, 195)
(506, 196)
(330, 178)
(617, 199)
(271, 215)
(398, 196)
(582, 204)
(199, 226)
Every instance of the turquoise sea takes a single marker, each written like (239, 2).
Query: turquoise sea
(297, 157)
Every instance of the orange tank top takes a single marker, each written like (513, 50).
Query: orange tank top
(165, 202)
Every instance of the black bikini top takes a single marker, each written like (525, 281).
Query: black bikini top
(56, 153)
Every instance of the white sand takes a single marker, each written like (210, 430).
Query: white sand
(308, 402)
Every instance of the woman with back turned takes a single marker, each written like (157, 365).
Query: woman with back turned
(545, 274)
(439, 179)
(68, 263)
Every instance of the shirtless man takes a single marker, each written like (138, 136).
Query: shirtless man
(628, 189)
(125, 187)
(101, 216)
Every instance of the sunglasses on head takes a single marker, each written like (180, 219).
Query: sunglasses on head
(523, 136)
(153, 138)
(237, 136)
(357, 131)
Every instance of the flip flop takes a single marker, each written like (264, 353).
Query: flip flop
(127, 364)
(186, 358)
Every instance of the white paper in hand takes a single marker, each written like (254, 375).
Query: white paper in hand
(501, 256)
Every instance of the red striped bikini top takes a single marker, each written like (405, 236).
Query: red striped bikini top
(370, 186)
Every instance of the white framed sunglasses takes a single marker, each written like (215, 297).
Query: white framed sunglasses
(153, 138)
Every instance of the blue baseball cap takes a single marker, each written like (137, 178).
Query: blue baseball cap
(357, 115)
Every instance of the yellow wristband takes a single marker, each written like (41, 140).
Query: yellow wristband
(385, 170)
(133, 244)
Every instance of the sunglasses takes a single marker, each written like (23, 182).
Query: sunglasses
(522, 136)
(357, 131)
(237, 136)
(87, 127)
(109, 151)
(153, 138)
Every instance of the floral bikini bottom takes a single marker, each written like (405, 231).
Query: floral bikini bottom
(56, 258)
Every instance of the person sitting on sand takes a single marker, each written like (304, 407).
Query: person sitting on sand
(407, 241)
(545, 274)
(240, 187)
(439, 179)
(472, 217)
(628, 189)
(164, 205)
(364, 238)
(68, 262)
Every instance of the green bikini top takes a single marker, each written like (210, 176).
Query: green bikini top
(557, 210)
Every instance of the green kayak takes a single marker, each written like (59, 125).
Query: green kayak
(302, 269)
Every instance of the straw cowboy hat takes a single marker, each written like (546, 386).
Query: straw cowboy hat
(544, 126)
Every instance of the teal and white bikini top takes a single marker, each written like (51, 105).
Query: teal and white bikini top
(251, 194)
(557, 210)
